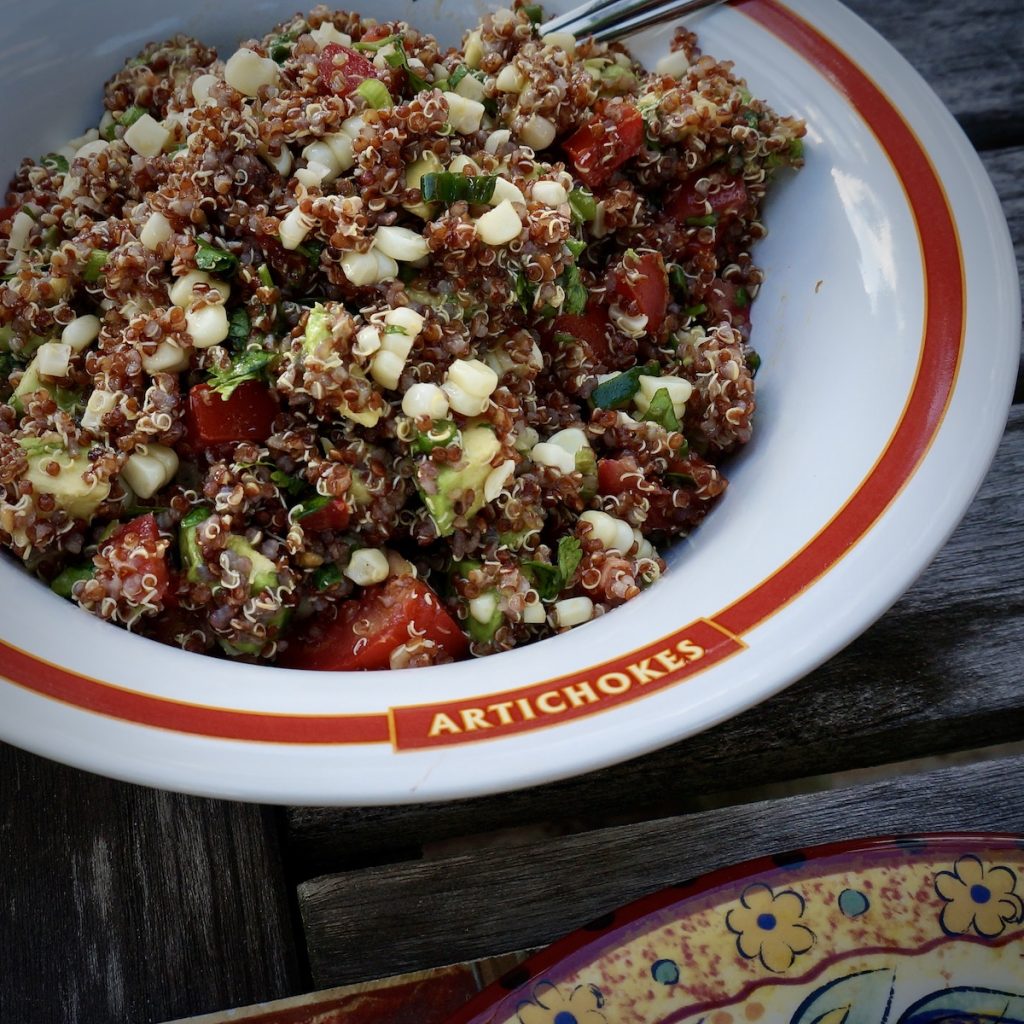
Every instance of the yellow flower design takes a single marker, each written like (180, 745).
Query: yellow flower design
(767, 927)
(549, 1006)
(978, 897)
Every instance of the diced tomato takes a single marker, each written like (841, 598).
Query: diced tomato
(685, 203)
(606, 143)
(334, 515)
(590, 327)
(376, 32)
(247, 415)
(623, 476)
(369, 628)
(136, 548)
(644, 281)
(727, 301)
(342, 69)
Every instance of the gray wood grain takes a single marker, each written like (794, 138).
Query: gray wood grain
(940, 672)
(970, 52)
(411, 915)
(127, 904)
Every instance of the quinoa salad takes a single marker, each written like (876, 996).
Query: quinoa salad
(349, 351)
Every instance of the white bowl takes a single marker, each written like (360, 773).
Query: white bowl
(889, 332)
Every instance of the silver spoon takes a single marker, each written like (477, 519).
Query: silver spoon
(614, 20)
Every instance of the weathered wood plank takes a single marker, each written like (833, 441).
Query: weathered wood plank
(128, 904)
(971, 55)
(940, 672)
(414, 914)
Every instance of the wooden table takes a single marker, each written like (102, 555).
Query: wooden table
(119, 903)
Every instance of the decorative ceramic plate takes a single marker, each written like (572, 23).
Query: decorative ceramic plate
(927, 930)
(888, 328)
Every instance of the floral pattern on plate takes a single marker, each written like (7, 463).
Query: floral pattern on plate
(893, 931)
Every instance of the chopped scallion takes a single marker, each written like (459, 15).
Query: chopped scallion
(446, 187)
(660, 410)
(582, 204)
(707, 221)
(457, 76)
(618, 391)
(94, 265)
(327, 575)
(534, 12)
(692, 311)
(375, 93)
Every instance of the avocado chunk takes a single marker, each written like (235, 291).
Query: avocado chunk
(263, 573)
(318, 331)
(31, 383)
(479, 630)
(479, 446)
(63, 585)
(68, 488)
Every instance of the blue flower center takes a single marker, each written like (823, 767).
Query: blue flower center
(980, 893)
(766, 922)
(565, 1017)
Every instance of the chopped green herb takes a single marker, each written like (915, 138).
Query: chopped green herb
(754, 362)
(375, 93)
(534, 12)
(796, 149)
(55, 162)
(742, 297)
(550, 580)
(288, 484)
(441, 434)
(660, 410)
(248, 365)
(525, 292)
(546, 579)
(618, 391)
(562, 338)
(446, 187)
(490, 107)
(281, 47)
(752, 118)
(677, 278)
(583, 205)
(707, 221)
(457, 76)
(400, 59)
(94, 265)
(264, 275)
(307, 508)
(395, 329)
(682, 478)
(570, 554)
(211, 258)
(312, 251)
(575, 291)
(692, 311)
(239, 327)
(327, 576)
